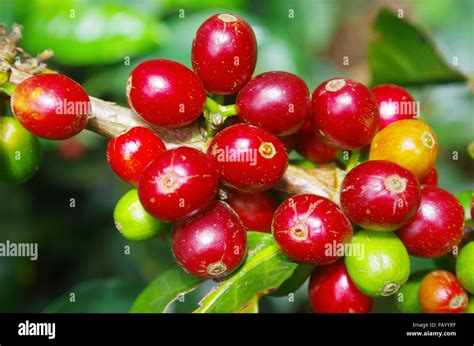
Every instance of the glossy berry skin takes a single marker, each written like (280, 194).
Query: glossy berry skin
(380, 195)
(129, 153)
(278, 101)
(165, 93)
(345, 113)
(437, 225)
(178, 184)
(249, 158)
(254, 209)
(51, 106)
(224, 53)
(395, 103)
(212, 244)
(312, 146)
(20, 152)
(331, 290)
(410, 143)
(431, 178)
(441, 292)
(304, 225)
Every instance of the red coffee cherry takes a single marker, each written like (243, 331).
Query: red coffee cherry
(212, 244)
(278, 102)
(431, 178)
(224, 53)
(380, 195)
(248, 158)
(437, 225)
(345, 112)
(129, 153)
(311, 229)
(254, 209)
(51, 106)
(165, 93)
(395, 103)
(312, 146)
(331, 290)
(441, 292)
(178, 184)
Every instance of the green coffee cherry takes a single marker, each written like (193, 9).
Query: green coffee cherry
(133, 222)
(383, 266)
(465, 267)
(407, 297)
(20, 152)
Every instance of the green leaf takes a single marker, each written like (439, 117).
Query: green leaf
(98, 296)
(402, 54)
(470, 150)
(291, 285)
(264, 269)
(81, 34)
(465, 198)
(251, 307)
(164, 290)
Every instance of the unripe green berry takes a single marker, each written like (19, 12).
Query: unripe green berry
(133, 222)
(465, 267)
(407, 297)
(20, 152)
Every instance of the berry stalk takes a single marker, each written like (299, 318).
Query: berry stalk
(109, 119)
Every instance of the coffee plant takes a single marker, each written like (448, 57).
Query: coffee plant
(209, 154)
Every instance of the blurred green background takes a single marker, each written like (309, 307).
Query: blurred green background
(99, 42)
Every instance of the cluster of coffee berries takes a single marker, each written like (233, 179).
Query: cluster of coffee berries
(389, 206)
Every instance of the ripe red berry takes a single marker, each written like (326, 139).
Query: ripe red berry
(345, 112)
(165, 93)
(441, 292)
(431, 178)
(331, 290)
(130, 152)
(395, 103)
(51, 106)
(380, 195)
(311, 229)
(178, 184)
(249, 158)
(279, 102)
(312, 146)
(212, 244)
(437, 225)
(224, 53)
(254, 209)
